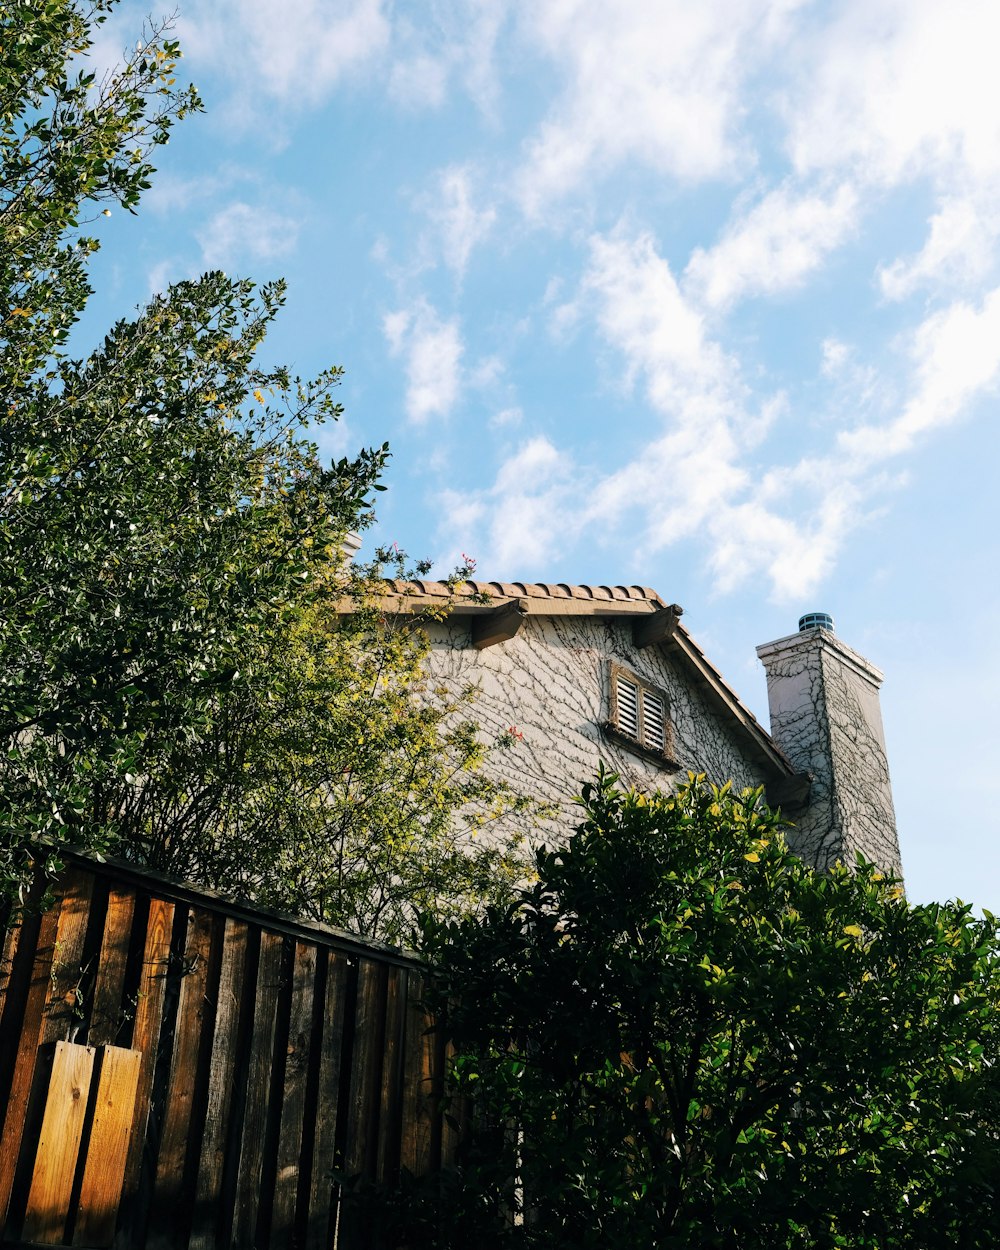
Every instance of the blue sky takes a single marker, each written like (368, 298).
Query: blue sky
(700, 296)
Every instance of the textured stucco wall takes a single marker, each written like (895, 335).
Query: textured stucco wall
(825, 715)
(552, 681)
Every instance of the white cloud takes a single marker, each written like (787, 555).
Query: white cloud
(773, 247)
(894, 88)
(656, 82)
(525, 519)
(506, 417)
(956, 358)
(296, 52)
(460, 224)
(246, 232)
(419, 82)
(959, 250)
(433, 351)
(451, 41)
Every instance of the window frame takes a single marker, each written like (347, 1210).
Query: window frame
(613, 729)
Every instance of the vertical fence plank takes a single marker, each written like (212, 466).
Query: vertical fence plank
(293, 1106)
(106, 1014)
(319, 1233)
(107, 1148)
(258, 1088)
(58, 1144)
(167, 1213)
(11, 937)
(146, 1033)
(220, 1087)
(419, 1112)
(388, 1151)
(62, 1014)
(362, 1113)
(33, 1028)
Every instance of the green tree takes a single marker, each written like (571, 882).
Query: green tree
(338, 785)
(681, 1036)
(180, 680)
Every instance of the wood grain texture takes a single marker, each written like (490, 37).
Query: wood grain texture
(418, 1082)
(63, 1009)
(58, 1144)
(106, 1014)
(166, 1214)
(16, 1110)
(293, 1106)
(107, 1147)
(390, 1094)
(220, 1087)
(366, 1070)
(11, 938)
(251, 1159)
(146, 1030)
(319, 1231)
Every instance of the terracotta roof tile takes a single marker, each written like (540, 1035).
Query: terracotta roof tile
(529, 590)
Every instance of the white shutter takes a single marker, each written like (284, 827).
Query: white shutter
(653, 715)
(627, 696)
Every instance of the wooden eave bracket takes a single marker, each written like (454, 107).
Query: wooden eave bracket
(500, 624)
(658, 626)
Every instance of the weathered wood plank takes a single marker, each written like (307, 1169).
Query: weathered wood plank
(451, 1109)
(107, 1148)
(319, 1232)
(63, 1009)
(32, 1025)
(11, 938)
(146, 1030)
(366, 1070)
(168, 1191)
(390, 1098)
(419, 1111)
(58, 1144)
(105, 1017)
(220, 1087)
(293, 1106)
(258, 1089)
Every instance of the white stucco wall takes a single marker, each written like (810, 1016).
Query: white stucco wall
(552, 681)
(826, 717)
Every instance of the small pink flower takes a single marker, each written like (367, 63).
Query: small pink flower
(470, 562)
(514, 733)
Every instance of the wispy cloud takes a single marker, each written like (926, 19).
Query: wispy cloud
(243, 232)
(460, 224)
(295, 53)
(525, 518)
(895, 89)
(655, 83)
(451, 42)
(432, 350)
(960, 249)
(774, 246)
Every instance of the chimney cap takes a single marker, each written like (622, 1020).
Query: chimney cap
(815, 620)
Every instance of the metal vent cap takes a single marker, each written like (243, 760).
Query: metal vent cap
(815, 620)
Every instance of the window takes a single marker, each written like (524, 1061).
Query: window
(639, 713)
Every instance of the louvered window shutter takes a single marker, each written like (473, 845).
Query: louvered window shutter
(628, 707)
(653, 734)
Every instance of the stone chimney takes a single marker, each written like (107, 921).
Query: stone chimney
(825, 716)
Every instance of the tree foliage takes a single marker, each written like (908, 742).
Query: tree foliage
(339, 785)
(681, 1036)
(179, 680)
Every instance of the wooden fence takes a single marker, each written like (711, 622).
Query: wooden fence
(180, 1071)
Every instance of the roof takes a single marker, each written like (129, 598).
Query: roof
(542, 596)
(562, 599)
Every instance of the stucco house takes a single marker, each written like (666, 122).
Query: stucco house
(591, 673)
